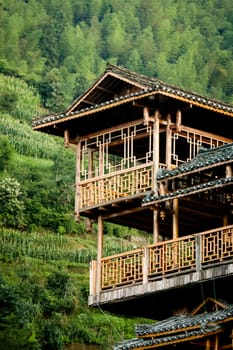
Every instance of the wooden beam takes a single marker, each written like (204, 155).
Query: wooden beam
(203, 134)
(124, 212)
(114, 128)
(101, 88)
(89, 102)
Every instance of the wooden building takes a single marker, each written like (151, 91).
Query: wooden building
(157, 158)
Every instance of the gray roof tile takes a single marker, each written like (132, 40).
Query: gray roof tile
(176, 329)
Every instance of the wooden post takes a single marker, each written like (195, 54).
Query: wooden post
(155, 171)
(99, 254)
(168, 142)
(232, 338)
(90, 175)
(175, 219)
(178, 120)
(198, 249)
(66, 138)
(101, 172)
(90, 163)
(225, 219)
(145, 265)
(145, 116)
(216, 345)
(228, 171)
(77, 182)
(92, 282)
(155, 151)
(207, 346)
(155, 225)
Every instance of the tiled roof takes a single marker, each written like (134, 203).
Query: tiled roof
(140, 343)
(150, 87)
(205, 158)
(148, 199)
(184, 322)
(177, 329)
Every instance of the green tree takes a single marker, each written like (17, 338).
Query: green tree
(115, 37)
(11, 205)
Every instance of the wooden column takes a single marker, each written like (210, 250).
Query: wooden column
(216, 345)
(145, 270)
(207, 346)
(175, 219)
(77, 182)
(228, 173)
(178, 120)
(232, 338)
(99, 254)
(90, 175)
(155, 225)
(225, 219)
(168, 142)
(101, 159)
(155, 171)
(90, 163)
(101, 170)
(155, 150)
(66, 138)
(92, 281)
(146, 116)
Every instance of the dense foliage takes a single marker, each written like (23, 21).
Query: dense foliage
(61, 46)
(44, 290)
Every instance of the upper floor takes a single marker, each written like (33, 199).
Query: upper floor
(126, 127)
(139, 163)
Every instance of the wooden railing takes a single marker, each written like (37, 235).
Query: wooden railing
(172, 256)
(217, 245)
(129, 265)
(115, 186)
(190, 253)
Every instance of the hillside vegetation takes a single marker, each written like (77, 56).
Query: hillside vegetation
(43, 291)
(61, 46)
(44, 254)
(50, 52)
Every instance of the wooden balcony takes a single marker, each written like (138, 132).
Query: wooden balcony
(115, 186)
(156, 268)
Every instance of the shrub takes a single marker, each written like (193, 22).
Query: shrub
(11, 206)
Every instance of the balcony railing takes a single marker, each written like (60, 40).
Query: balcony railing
(186, 254)
(115, 186)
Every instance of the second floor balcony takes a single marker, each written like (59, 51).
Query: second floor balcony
(199, 261)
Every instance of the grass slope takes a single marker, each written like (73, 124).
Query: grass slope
(44, 284)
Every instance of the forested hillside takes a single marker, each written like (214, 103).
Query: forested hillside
(61, 46)
(50, 52)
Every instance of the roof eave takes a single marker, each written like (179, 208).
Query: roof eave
(195, 100)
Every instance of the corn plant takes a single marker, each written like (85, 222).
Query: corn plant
(47, 247)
